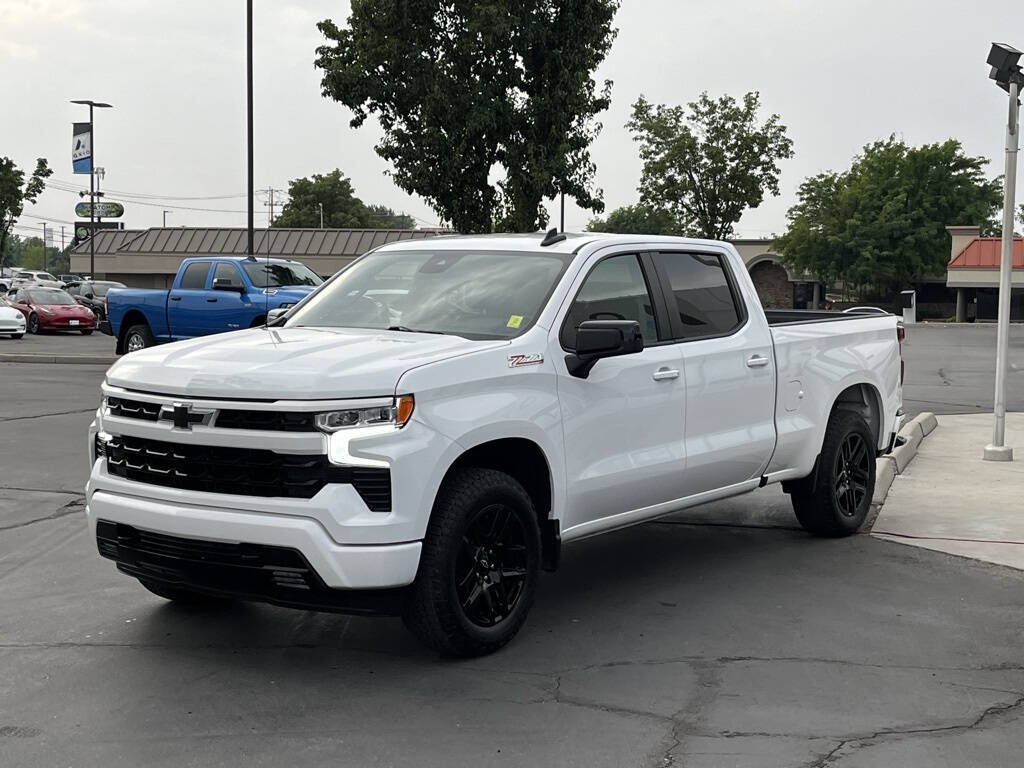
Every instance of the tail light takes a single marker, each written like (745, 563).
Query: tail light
(901, 334)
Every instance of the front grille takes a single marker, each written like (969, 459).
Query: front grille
(241, 471)
(133, 409)
(271, 421)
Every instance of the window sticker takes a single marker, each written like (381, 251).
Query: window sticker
(514, 321)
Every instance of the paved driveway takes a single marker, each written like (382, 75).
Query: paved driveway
(719, 637)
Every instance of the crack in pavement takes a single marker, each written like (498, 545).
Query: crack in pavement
(46, 415)
(70, 508)
(880, 737)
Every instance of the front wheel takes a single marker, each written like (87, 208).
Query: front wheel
(479, 566)
(17, 336)
(33, 323)
(835, 500)
(86, 331)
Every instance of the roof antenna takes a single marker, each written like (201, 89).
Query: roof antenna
(553, 236)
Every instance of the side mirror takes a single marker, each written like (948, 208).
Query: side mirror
(227, 284)
(90, 296)
(597, 339)
(277, 313)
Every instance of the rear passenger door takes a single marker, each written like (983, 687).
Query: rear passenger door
(187, 308)
(730, 374)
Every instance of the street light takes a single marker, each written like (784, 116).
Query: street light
(1008, 76)
(92, 181)
(165, 218)
(321, 205)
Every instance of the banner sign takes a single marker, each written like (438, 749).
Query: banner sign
(81, 148)
(103, 210)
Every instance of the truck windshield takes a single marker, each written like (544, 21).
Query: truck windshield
(478, 295)
(276, 275)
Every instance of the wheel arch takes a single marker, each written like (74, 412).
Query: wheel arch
(864, 399)
(525, 461)
(131, 317)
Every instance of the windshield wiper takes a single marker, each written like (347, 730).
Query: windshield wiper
(407, 329)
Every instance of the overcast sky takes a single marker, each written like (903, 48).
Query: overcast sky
(839, 73)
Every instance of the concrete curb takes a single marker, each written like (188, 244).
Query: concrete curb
(889, 466)
(59, 359)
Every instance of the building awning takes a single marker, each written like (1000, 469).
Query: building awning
(977, 264)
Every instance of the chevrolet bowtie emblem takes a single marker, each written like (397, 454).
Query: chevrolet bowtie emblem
(184, 415)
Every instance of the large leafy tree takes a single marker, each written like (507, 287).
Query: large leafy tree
(15, 192)
(881, 224)
(639, 219)
(708, 162)
(342, 209)
(487, 107)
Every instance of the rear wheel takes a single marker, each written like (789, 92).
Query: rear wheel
(181, 594)
(835, 500)
(138, 337)
(33, 323)
(86, 331)
(479, 566)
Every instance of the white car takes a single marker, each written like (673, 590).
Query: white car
(12, 322)
(35, 277)
(427, 430)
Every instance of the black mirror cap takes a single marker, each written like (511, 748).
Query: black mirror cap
(226, 284)
(597, 339)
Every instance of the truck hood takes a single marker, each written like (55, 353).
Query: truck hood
(287, 363)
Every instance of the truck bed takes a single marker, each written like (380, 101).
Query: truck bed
(797, 316)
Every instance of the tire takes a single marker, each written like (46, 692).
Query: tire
(17, 336)
(182, 595)
(479, 565)
(835, 500)
(142, 337)
(33, 323)
(86, 331)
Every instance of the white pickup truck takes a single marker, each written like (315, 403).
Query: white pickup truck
(422, 434)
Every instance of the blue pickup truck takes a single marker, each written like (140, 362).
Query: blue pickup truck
(208, 295)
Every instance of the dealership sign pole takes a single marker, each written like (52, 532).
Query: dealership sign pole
(82, 160)
(1003, 60)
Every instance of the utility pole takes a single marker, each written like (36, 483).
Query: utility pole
(165, 218)
(248, 94)
(44, 246)
(271, 201)
(1008, 76)
(321, 215)
(563, 212)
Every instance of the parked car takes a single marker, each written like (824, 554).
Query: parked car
(66, 279)
(12, 322)
(51, 309)
(208, 295)
(35, 277)
(93, 294)
(531, 393)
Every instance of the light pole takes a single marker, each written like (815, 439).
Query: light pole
(248, 96)
(92, 181)
(165, 218)
(44, 246)
(1008, 76)
(321, 205)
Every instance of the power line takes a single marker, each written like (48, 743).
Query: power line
(145, 195)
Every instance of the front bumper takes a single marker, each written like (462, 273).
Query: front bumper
(337, 566)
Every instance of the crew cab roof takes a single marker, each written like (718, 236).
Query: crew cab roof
(531, 242)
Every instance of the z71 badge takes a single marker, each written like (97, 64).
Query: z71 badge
(518, 361)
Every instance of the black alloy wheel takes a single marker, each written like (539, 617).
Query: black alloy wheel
(491, 568)
(850, 474)
(33, 323)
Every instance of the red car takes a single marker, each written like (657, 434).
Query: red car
(51, 309)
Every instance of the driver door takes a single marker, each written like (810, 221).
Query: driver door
(623, 425)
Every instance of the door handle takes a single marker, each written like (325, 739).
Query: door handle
(757, 361)
(211, 300)
(175, 298)
(665, 373)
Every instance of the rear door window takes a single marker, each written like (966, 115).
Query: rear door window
(701, 294)
(194, 278)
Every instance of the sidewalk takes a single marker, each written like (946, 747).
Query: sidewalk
(949, 500)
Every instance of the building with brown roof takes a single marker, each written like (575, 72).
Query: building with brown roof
(973, 271)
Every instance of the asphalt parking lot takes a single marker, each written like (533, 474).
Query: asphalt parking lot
(721, 636)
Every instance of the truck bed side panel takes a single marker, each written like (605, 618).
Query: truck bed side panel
(152, 304)
(816, 362)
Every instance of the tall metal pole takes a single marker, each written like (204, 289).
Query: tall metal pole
(44, 246)
(92, 197)
(248, 79)
(321, 215)
(998, 451)
(563, 213)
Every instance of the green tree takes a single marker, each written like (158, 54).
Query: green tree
(707, 163)
(487, 107)
(342, 209)
(639, 219)
(15, 192)
(882, 223)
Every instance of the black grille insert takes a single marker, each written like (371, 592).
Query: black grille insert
(272, 421)
(133, 409)
(241, 471)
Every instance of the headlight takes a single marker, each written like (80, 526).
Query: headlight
(397, 413)
(46, 311)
